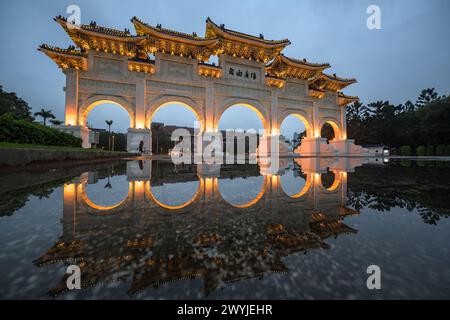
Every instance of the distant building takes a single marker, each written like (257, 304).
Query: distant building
(379, 150)
(94, 136)
(162, 138)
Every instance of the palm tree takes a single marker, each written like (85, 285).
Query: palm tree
(109, 123)
(45, 114)
(157, 127)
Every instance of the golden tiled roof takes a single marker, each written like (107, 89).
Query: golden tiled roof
(93, 37)
(330, 82)
(141, 65)
(66, 58)
(283, 66)
(217, 40)
(346, 99)
(143, 28)
(173, 42)
(331, 228)
(209, 70)
(213, 30)
(243, 45)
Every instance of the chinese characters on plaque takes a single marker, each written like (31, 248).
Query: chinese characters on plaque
(241, 73)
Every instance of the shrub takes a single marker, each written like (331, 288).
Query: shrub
(447, 150)
(421, 151)
(24, 131)
(430, 150)
(405, 150)
(440, 150)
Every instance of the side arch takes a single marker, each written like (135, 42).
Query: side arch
(334, 124)
(102, 209)
(305, 189)
(165, 100)
(336, 183)
(304, 117)
(92, 102)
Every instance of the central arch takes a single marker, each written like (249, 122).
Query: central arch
(149, 194)
(247, 204)
(171, 100)
(256, 107)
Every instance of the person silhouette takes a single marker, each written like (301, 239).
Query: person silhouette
(141, 146)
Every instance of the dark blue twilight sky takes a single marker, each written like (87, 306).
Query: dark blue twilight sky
(409, 53)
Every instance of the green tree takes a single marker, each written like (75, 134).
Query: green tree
(421, 151)
(327, 132)
(45, 114)
(426, 97)
(156, 127)
(10, 103)
(423, 123)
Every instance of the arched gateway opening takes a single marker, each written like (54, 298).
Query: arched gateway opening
(294, 128)
(242, 118)
(330, 130)
(108, 122)
(242, 192)
(168, 117)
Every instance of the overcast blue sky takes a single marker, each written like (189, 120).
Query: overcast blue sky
(409, 53)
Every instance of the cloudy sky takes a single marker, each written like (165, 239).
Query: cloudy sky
(409, 53)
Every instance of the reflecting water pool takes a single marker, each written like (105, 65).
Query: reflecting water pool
(154, 230)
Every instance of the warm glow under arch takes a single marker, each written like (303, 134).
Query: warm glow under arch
(334, 125)
(186, 103)
(251, 106)
(149, 195)
(303, 119)
(336, 182)
(250, 203)
(83, 194)
(90, 104)
(304, 190)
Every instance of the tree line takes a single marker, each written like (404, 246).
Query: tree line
(18, 125)
(19, 109)
(420, 128)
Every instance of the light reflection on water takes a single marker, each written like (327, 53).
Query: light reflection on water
(154, 230)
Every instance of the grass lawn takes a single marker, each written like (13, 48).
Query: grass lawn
(42, 147)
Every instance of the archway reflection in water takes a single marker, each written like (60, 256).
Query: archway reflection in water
(106, 193)
(173, 195)
(242, 192)
(294, 183)
(251, 233)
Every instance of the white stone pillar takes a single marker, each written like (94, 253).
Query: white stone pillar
(134, 138)
(311, 146)
(273, 114)
(71, 89)
(343, 123)
(209, 111)
(316, 120)
(139, 121)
